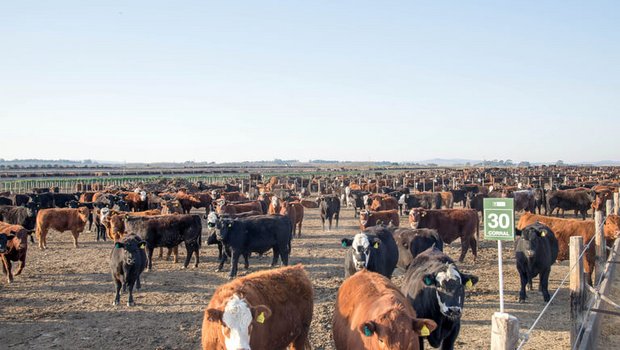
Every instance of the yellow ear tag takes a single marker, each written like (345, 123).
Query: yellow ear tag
(425, 332)
(376, 245)
(260, 318)
(468, 284)
(543, 234)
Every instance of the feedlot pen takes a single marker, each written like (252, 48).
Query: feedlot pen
(63, 298)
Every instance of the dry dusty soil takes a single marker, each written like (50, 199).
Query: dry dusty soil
(63, 298)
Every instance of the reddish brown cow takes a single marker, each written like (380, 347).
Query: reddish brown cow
(269, 309)
(61, 219)
(372, 313)
(450, 224)
(136, 201)
(298, 208)
(171, 207)
(187, 201)
(16, 248)
(87, 197)
(447, 199)
(383, 202)
(309, 204)
(601, 198)
(233, 196)
(275, 206)
(236, 208)
(374, 218)
(204, 200)
(565, 228)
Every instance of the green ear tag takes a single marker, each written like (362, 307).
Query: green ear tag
(344, 244)
(428, 281)
(260, 318)
(367, 331)
(425, 332)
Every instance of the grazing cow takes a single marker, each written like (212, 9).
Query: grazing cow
(264, 310)
(412, 242)
(127, 262)
(371, 313)
(580, 201)
(536, 249)
(167, 231)
(435, 288)
(330, 209)
(373, 218)
(255, 234)
(15, 248)
(373, 249)
(564, 229)
(447, 200)
(61, 219)
(451, 224)
(137, 201)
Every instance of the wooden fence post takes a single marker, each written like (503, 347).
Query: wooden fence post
(609, 207)
(577, 295)
(504, 331)
(599, 245)
(616, 203)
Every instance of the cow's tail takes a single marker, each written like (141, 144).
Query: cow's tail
(477, 227)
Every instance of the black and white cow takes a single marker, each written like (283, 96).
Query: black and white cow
(330, 209)
(536, 249)
(255, 234)
(411, 242)
(374, 250)
(436, 289)
(356, 200)
(127, 262)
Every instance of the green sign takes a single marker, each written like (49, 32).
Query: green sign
(499, 219)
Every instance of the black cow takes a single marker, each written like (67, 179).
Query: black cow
(23, 216)
(167, 231)
(421, 200)
(20, 199)
(536, 249)
(6, 200)
(356, 198)
(43, 200)
(4, 239)
(579, 201)
(127, 262)
(459, 196)
(374, 250)
(330, 209)
(435, 288)
(61, 199)
(255, 234)
(411, 242)
(540, 197)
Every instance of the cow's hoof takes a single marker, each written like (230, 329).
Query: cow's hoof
(147, 270)
(114, 303)
(218, 269)
(131, 303)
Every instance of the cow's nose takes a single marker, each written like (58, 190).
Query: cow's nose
(454, 310)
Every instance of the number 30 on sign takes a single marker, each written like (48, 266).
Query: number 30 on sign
(499, 219)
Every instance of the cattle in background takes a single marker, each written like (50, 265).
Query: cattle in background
(127, 262)
(447, 200)
(411, 242)
(564, 229)
(229, 196)
(435, 288)
(15, 248)
(373, 218)
(6, 201)
(580, 201)
(137, 201)
(536, 249)
(43, 200)
(601, 195)
(459, 196)
(263, 310)
(298, 210)
(523, 200)
(255, 234)
(87, 196)
(356, 198)
(611, 228)
(451, 224)
(114, 222)
(23, 216)
(224, 207)
(61, 219)
(167, 231)
(330, 209)
(20, 199)
(383, 202)
(371, 313)
(540, 199)
(187, 201)
(426, 200)
(203, 200)
(171, 207)
(374, 250)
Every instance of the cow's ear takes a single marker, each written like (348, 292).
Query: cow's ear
(119, 245)
(468, 280)
(346, 242)
(542, 233)
(10, 237)
(518, 232)
(260, 313)
(429, 280)
(142, 245)
(368, 328)
(376, 243)
(423, 326)
(214, 315)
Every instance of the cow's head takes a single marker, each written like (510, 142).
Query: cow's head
(364, 217)
(224, 228)
(600, 199)
(415, 216)
(402, 199)
(275, 202)
(237, 319)
(103, 214)
(212, 220)
(448, 284)
(84, 213)
(143, 196)
(215, 194)
(3, 241)
(131, 248)
(361, 246)
(612, 227)
(531, 237)
(395, 329)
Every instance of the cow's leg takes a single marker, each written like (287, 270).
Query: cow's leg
(196, 252)
(284, 253)
(175, 252)
(301, 342)
(323, 222)
(7, 267)
(161, 253)
(464, 248)
(189, 248)
(448, 342)
(337, 215)
(234, 264)
(75, 235)
(299, 232)
(130, 301)
(117, 298)
(544, 283)
(22, 264)
(246, 261)
(276, 254)
(524, 280)
(474, 246)
(149, 257)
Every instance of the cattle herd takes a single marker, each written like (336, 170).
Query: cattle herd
(405, 221)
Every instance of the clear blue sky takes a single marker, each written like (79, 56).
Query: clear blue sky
(348, 80)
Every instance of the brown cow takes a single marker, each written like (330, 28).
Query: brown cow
(565, 228)
(275, 206)
(451, 224)
(171, 207)
(225, 207)
(374, 218)
(298, 208)
(187, 201)
(372, 313)
(204, 200)
(16, 248)
(602, 195)
(136, 201)
(447, 199)
(87, 197)
(61, 219)
(265, 310)
(383, 202)
(233, 196)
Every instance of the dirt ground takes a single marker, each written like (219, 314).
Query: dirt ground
(63, 298)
